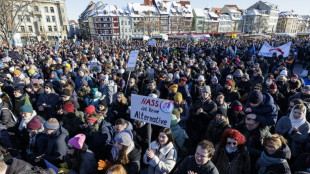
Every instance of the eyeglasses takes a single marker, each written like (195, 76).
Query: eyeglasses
(232, 143)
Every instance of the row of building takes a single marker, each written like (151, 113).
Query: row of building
(155, 17)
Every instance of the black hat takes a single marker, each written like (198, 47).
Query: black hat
(255, 97)
(1, 80)
(66, 92)
(50, 85)
(19, 88)
(222, 111)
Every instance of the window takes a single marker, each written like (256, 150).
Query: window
(28, 18)
(30, 29)
(125, 29)
(19, 17)
(41, 29)
(22, 29)
(125, 22)
(122, 23)
(36, 8)
(55, 28)
(46, 9)
(50, 28)
(52, 9)
(53, 19)
(115, 24)
(48, 19)
(38, 18)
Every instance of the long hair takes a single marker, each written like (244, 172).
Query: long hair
(123, 157)
(234, 134)
(123, 100)
(168, 133)
(117, 169)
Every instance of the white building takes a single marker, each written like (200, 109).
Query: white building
(236, 16)
(225, 24)
(47, 21)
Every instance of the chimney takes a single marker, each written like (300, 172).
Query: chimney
(148, 2)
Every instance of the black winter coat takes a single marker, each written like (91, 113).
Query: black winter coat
(6, 117)
(189, 164)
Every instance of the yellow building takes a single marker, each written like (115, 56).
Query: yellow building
(288, 22)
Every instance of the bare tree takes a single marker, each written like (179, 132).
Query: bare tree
(12, 14)
(257, 23)
(147, 24)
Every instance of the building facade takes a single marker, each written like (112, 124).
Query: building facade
(236, 15)
(47, 20)
(288, 22)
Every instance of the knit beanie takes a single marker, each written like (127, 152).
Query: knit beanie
(19, 88)
(201, 78)
(17, 72)
(77, 141)
(66, 92)
(68, 107)
(295, 75)
(214, 79)
(183, 80)
(52, 124)
(34, 124)
(124, 137)
(173, 88)
(206, 89)
(90, 109)
(31, 72)
(26, 108)
(255, 97)
(221, 111)
(246, 76)
(273, 86)
(103, 102)
(229, 82)
(178, 97)
(50, 85)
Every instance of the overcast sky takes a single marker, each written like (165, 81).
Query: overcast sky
(76, 7)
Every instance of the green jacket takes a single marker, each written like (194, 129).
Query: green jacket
(19, 102)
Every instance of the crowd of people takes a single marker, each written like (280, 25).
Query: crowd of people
(69, 106)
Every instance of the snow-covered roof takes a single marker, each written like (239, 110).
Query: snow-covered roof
(213, 15)
(288, 15)
(107, 10)
(138, 10)
(199, 12)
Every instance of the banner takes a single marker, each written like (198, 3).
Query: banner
(132, 60)
(152, 42)
(151, 110)
(268, 50)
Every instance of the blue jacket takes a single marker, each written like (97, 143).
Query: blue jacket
(267, 111)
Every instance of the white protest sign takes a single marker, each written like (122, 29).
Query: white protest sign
(152, 42)
(17, 41)
(151, 110)
(132, 60)
(77, 43)
(57, 47)
(268, 50)
(94, 67)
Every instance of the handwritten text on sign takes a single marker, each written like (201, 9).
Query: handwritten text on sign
(151, 110)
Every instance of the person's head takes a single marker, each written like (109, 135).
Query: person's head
(165, 137)
(232, 139)
(76, 143)
(294, 77)
(116, 169)
(229, 84)
(214, 80)
(257, 87)
(273, 143)
(51, 125)
(306, 90)
(120, 98)
(255, 98)
(294, 102)
(221, 115)
(3, 167)
(236, 106)
(273, 88)
(298, 112)
(206, 92)
(152, 85)
(123, 140)
(120, 124)
(48, 88)
(201, 80)
(18, 91)
(81, 72)
(26, 111)
(182, 81)
(68, 107)
(245, 77)
(178, 98)
(131, 82)
(204, 152)
(220, 98)
(173, 88)
(102, 106)
(66, 94)
(33, 125)
(251, 122)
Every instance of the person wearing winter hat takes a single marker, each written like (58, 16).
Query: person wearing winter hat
(196, 89)
(35, 129)
(235, 114)
(66, 97)
(102, 108)
(162, 156)
(82, 76)
(217, 126)
(17, 73)
(90, 109)
(230, 92)
(173, 88)
(262, 104)
(70, 120)
(279, 99)
(179, 103)
(79, 158)
(47, 101)
(53, 144)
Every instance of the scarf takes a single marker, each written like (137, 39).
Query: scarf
(264, 161)
(115, 152)
(24, 122)
(229, 150)
(297, 122)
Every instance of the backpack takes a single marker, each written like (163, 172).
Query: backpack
(14, 119)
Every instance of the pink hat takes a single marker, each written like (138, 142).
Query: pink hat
(77, 141)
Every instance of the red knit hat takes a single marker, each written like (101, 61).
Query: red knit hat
(34, 124)
(229, 82)
(237, 108)
(273, 86)
(295, 75)
(68, 107)
(90, 109)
